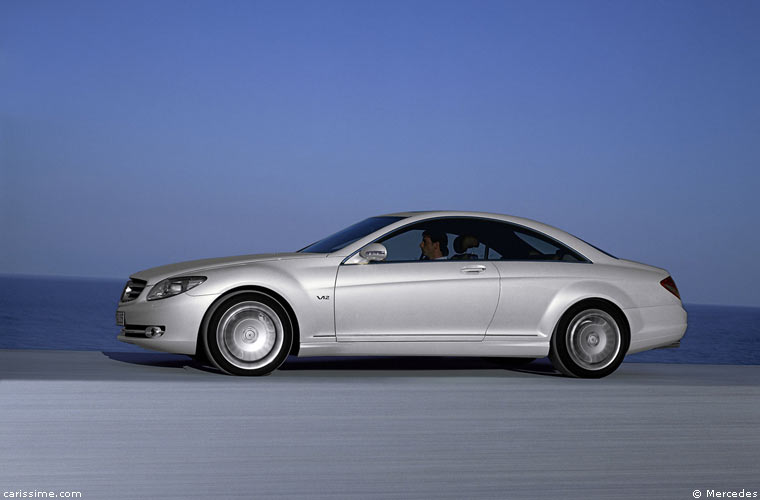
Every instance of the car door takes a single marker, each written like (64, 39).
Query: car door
(533, 268)
(408, 299)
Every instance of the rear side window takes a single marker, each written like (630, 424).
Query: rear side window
(537, 245)
(505, 241)
(525, 244)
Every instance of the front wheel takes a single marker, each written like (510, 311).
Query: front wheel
(591, 341)
(248, 334)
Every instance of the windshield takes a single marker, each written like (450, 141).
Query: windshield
(350, 234)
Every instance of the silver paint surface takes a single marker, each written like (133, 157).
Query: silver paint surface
(507, 308)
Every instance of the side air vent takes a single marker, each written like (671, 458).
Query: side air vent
(132, 290)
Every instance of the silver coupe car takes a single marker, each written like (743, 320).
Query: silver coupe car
(411, 283)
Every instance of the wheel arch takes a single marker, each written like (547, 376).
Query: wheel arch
(579, 291)
(294, 348)
(591, 301)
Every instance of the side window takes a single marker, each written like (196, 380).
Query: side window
(407, 244)
(464, 238)
(492, 254)
(504, 241)
(537, 245)
(530, 245)
(467, 245)
(403, 247)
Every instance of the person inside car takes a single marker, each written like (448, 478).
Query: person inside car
(434, 245)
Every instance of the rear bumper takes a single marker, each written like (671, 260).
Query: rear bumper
(658, 326)
(180, 317)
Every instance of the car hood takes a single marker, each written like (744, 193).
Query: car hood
(191, 267)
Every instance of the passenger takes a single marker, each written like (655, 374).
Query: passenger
(434, 245)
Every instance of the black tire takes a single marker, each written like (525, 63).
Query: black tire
(590, 341)
(248, 334)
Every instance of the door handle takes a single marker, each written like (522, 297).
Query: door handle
(473, 269)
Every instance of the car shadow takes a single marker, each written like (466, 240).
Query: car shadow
(153, 366)
(123, 365)
(119, 366)
(161, 360)
(333, 365)
(413, 364)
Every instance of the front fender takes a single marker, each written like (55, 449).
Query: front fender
(299, 282)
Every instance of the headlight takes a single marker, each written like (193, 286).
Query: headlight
(174, 286)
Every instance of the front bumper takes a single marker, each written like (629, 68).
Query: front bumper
(180, 317)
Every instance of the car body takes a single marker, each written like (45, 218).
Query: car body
(508, 287)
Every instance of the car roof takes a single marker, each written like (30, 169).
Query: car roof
(424, 214)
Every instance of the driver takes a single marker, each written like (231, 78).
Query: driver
(434, 245)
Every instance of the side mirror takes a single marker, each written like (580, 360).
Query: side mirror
(374, 252)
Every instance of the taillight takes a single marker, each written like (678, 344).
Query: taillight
(670, 286)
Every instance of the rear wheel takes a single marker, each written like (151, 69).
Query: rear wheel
(248, 334)
(591, 341)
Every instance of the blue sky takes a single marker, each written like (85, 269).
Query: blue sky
(136, 134)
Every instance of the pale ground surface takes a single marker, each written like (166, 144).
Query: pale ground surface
(148, 426)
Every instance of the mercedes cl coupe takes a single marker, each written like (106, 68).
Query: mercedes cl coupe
(410, 284)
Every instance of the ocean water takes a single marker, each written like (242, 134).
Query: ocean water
(79, 314)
